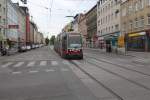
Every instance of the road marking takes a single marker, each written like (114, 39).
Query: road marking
(31, 64)
(34, 71)
(66, 62)
(16, 72)
(64, 69)
(49, 70)
(54, 63)
(7, 64)
(43, 63)
(18, 64)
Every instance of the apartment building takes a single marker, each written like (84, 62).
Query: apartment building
(21, 26)
(108, 23)
(12, 25)
(2, 22)
(135, 15)
(91, 23)
(83, 27)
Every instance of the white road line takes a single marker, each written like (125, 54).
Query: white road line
(43, 63)
(66, 62)
(16, 72)
(7, 64)
(64, 69)
(31, 64)
(18, 64)
(34, 71)
(54, 63)
(49, 70)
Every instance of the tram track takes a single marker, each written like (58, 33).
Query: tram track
(120, 66)
(100, 83)
(123, 77)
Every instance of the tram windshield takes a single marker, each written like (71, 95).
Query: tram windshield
(75, 41)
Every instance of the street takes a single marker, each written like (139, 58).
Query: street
(41, 74)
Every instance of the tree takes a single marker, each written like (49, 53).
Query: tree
(52, 40)
(47, 41)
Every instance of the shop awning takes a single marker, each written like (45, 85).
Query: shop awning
(137, 34)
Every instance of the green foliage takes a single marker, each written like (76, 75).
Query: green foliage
(47, 41)
(52, 40)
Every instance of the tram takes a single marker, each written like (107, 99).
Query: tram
(69, 45)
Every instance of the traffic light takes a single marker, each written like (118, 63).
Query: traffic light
(24, 1)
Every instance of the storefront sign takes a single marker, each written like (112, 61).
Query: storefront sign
(137, 34)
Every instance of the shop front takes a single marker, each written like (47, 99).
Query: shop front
(101, 42)
(137, 41)
(111, 41)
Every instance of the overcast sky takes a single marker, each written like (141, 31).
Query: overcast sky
(54, 22)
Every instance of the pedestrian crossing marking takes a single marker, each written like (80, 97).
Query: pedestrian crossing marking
(31, 64)
(54, 63)
(19, 64)
(34, 71)
(16, 72)
(49, 70)
(64, 69)
(43, 63)
(66, 62)
(7, 64)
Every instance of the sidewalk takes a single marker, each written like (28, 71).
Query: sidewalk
(140, 57)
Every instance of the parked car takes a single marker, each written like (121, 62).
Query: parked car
(28, 47)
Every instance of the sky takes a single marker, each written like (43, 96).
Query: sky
(51, 22)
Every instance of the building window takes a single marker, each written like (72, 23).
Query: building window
(136, 23)
(130, 9)
(124, 27)
(116, 13)
(99, 23)
(4, 10)
(112, 28)
(142, 22)
(117, 27)
(0, 7)
(3, 21)
(136, 6)
(131, 25)
(148, 2)
(149, 19)
(0, 19)
(124, 11)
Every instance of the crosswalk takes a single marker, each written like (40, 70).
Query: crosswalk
(31, 63)
(33, 67)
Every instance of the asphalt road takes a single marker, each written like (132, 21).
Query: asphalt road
(41, 74)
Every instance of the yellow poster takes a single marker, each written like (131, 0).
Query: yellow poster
(121, 42)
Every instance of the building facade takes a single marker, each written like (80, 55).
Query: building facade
(31, 37)
(27, 19)
(83, 27)
(12, 25)
(76, 23)
(91, 23)
(108, 23)
(2, 22)
(22, 27)
(135, 15)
